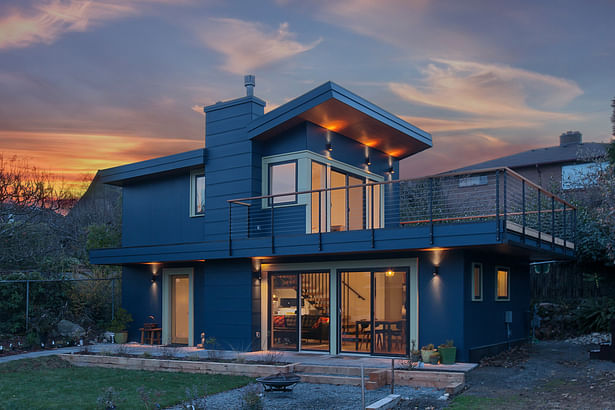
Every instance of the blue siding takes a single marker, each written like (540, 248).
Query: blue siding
(157, 211)
(141, 298)
(226, 295)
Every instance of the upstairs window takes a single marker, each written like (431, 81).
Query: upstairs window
(197, 193)
(283, 179)
(502, 284)
(477, 282)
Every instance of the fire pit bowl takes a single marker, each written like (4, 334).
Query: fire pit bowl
(279, 382)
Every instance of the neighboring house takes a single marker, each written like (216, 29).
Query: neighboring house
(568, 168)
(288, 231)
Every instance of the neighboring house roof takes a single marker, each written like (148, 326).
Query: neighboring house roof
(337, 109)
(581, 152)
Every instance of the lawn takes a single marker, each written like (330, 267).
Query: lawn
(52, 383)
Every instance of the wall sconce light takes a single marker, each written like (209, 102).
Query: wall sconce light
(154, 277)
(329, 147)
(436, 270)
(368, 161)
(391, 170)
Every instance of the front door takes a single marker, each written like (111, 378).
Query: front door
(180, 308)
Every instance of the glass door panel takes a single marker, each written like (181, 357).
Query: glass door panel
(355, 312)
(284, 330)
(390, 316)
(338, 202)
(319, 200)
(180, 308)
(315, 311)
(356, 204)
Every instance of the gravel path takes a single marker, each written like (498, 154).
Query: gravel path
(307, 396)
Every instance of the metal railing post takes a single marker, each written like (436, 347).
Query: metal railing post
(539, 219)
(372, 217)
(230, 227)
(431, 211)
(320, 220)
(523, 206)
(552, 222)
(248, 221)
(574, 227)
(272, 225)
(564, 226)
(505, 203)
(27, 305)
(497, 205)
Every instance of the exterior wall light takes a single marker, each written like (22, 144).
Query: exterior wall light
(154, 277)
(391, 170)
(329, 147)
(436, 270)
(368, 161)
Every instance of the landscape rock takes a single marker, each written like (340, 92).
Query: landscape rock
(69, 329)
(591, 339)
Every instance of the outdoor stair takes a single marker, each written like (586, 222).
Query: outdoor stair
(451, 382)
(349, 375)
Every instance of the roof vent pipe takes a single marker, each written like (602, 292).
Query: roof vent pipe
(249, 81)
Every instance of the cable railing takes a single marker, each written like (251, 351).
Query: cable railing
(499, 196)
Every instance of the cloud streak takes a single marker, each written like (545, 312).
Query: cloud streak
(47, 21)
(490, 90)
(247, 46)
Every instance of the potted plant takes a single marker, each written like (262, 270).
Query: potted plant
(119, 325)
(434, 358)
(448, 351)
(426, 352)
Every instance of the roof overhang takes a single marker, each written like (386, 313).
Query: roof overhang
(157, 166)
(339, 110)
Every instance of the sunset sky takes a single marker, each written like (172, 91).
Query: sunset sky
(86, 85)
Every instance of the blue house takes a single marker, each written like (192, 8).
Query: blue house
(290, 231)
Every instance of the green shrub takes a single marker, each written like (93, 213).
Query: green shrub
(594, 315)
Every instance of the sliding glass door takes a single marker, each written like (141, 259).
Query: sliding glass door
(299, 311)
(373, 312)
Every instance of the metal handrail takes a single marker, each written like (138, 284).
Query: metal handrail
(518, 176)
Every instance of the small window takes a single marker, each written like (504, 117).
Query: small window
(477, 282)
(197, 193)
(472, 181)
(283, 179)
(502, 284)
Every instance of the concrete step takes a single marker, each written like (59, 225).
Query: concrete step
(337, 380)
(333, 370)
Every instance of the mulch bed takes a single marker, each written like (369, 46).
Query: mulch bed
(508, 358)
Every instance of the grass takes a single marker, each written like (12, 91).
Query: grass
(52, 383)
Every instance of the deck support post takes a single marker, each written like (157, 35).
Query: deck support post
(552, 222)
(505, 210)
(320, 220)
(272, 226)
(539, 220)
(372, 217)
(564, 227)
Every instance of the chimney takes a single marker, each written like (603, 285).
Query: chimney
(249, 81)
(569, 138)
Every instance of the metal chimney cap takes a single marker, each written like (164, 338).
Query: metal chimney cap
(249, 80)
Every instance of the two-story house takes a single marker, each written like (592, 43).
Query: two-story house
(289, 231)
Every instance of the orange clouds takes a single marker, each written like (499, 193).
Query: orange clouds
(74, 156)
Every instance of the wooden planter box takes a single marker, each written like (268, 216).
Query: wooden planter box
(185, 366)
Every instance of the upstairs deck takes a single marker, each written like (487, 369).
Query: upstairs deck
(486, 207)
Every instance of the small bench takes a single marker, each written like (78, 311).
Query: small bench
(152, 333)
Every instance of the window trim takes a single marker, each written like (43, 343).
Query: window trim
(194, 174)
(474, 299)
(270, 166)
(507, 298)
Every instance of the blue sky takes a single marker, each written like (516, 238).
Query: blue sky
(87, 85)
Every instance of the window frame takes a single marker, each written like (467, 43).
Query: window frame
(474, 299)
(194, 175)
(270, 165)
(507, 270)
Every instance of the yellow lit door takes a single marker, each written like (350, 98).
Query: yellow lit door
(180, 308)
